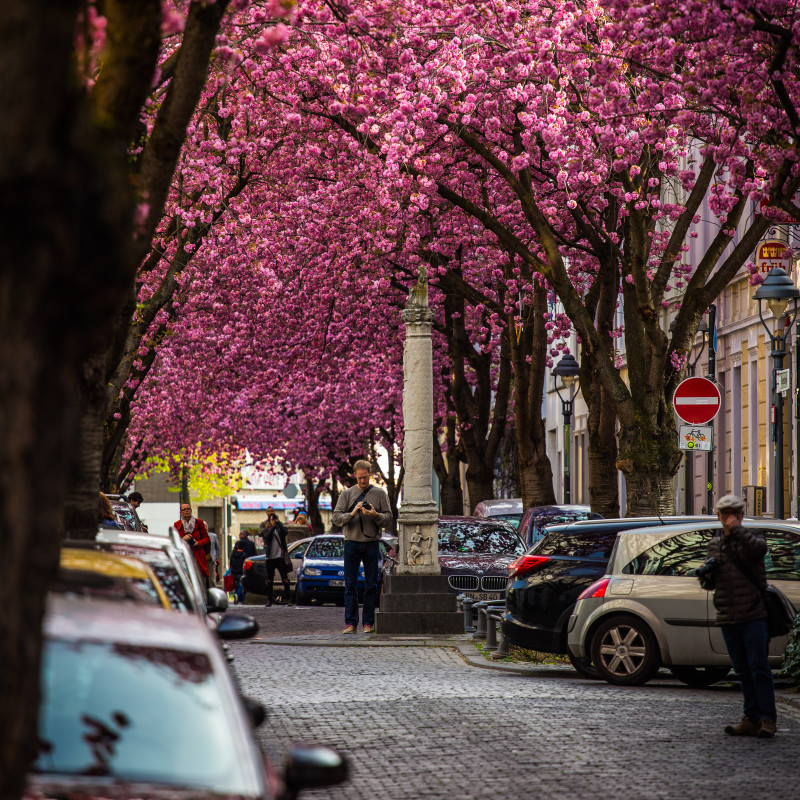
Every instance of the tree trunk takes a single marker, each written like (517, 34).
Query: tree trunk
(312, 493)
(536, 474)
(649, 458)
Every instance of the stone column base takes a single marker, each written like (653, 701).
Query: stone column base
(418, 604)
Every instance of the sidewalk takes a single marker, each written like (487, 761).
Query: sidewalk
(322, 628)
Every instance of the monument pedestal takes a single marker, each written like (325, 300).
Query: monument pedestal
(418, 604)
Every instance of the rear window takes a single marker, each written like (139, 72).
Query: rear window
(594, 545)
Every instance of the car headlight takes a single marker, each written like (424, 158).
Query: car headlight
(312, 571)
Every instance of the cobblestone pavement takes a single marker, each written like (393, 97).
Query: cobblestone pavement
(419, 722)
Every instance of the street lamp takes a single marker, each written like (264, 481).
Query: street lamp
(567, 369)
(777, 290)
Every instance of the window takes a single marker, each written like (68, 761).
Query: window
(326, 548)
(593, 545)
(681, 554)
(783, 555)
(457, 537)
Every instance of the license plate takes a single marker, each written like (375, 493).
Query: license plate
(336, 583)
(475, 596)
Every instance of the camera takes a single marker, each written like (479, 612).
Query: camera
(706, 567)
(366, 505)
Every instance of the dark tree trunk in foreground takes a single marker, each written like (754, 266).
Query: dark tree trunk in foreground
(64, 269)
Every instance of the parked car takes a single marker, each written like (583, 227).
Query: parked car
(321, 576)
(109, 576)
(544, 583)
(474, 554)
(649, 610)
(534, 519)
(127, 691)
(509, 510)
(125, 513)
(254, 577)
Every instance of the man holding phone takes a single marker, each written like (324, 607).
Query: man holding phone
(361, 512)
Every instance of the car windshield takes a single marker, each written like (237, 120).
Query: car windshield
(514, 519)
(134, 713)
(326, 548)
(455, 537)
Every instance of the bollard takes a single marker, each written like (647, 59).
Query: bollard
(502, 646)
(491, 631)
(480, 632)
(466, 604)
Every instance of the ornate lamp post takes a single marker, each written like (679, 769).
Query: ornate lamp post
(568, 370)
(777, 290)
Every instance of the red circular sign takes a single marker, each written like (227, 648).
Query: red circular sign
(697, 400)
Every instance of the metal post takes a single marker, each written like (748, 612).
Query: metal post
(502, 646)
(797, 421)
(480, 631)
(712, 374)
(567, 409)
(688, 472)
(466, 604)
(778, 352)
(491, 631)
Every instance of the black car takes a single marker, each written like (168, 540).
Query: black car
(545, 582)
(535, 519)
(474, 554)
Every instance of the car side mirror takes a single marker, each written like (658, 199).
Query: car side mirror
(216, 600)
(237, 626)
(309, 766)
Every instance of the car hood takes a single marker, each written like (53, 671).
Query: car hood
(485, 562)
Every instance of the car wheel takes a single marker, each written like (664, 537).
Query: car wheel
(699, 677)
(624, 651)
(583, 666)
(302, 599)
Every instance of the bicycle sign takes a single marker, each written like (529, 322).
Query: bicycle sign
(696, 437)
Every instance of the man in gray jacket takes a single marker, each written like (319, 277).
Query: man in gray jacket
(738, 578)
(361, 512)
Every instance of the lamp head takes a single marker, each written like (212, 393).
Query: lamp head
(567, 369)
(778, 289)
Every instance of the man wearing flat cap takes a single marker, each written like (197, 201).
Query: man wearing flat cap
(738, 579)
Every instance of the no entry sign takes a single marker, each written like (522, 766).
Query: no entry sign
(697, 400)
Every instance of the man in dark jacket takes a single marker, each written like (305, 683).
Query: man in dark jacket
(277, 557)
(739, 581)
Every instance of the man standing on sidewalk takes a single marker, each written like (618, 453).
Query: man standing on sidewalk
(735, 571)
(361, 512)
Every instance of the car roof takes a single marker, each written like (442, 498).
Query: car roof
(111, 564)
(104, 621)
(476, 520)
(565, 509)
(621, 523)
(490, 508)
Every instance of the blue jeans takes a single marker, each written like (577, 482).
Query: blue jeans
(748, 647)
(354, 554)
(238, 589)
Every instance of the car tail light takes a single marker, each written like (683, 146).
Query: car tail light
(597, 589)
(525, 564)
(248, 563)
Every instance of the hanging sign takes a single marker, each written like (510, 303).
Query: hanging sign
(782, 381)
(770, 253)
(696, 437)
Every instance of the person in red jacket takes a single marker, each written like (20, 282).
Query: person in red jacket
(195, 533)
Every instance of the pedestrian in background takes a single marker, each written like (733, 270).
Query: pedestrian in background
(735, 572)
(108, 518)
(136, 499)
(194, 532)
(240, 552)
(277, 557)
(361, 511)
(213, 558)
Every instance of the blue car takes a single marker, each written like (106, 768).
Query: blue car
(321, 577)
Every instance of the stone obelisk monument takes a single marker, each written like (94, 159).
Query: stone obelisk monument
(416, 598)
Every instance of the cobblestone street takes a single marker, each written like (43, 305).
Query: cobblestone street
(420, 722)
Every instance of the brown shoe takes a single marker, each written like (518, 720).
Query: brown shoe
(369, 629)
(766, 730)
(349, 629)
(745, 728)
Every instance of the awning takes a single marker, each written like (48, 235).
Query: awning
(260, 502)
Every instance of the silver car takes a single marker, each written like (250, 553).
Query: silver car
(649, 610)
